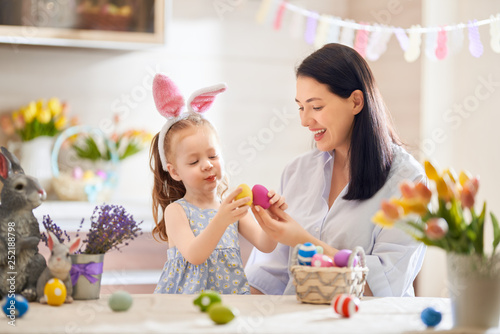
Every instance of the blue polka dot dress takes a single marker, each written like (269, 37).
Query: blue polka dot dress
(221, 272)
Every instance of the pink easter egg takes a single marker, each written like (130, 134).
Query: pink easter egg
(260, 196)
(341, 259)
(77, 173)
(345, 305)
(321, 260)
(101, 174)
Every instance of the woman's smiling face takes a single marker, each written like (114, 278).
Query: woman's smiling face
(328, 116)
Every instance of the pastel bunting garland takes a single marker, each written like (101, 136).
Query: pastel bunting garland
(371, 40)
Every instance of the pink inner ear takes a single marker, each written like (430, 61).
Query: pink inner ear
(74, 246)
(4, 168)
(50, 242)
(202, 102)
(167, 97)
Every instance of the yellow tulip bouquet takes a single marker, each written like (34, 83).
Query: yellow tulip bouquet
(444, 216)
(39, 118)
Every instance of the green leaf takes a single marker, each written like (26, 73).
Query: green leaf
(89, 150)
(130, 150)
(496, 231)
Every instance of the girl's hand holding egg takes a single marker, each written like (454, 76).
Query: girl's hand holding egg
(245, 192)
(232, 208)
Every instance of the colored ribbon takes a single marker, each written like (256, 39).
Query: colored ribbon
(87, 270)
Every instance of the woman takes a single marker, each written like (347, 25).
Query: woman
(333, 191)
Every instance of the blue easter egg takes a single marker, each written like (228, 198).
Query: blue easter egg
(14, 306)
(305, 253)
(431, 317)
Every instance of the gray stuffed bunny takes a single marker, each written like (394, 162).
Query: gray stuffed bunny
(20, 262)
(58, 266)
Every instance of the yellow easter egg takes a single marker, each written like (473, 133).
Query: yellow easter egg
(55, 292)
(88, 175)
(246, 192)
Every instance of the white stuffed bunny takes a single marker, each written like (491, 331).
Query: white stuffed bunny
(58, 266)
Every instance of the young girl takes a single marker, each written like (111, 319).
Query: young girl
(202, 231)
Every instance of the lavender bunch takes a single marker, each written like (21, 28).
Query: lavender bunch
(52, 227)
(111, 227)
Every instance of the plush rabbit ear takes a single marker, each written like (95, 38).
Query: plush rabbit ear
(13, 163)
(5, 167)
(168, 99)
(51, 240)
(202, 99)
(74, 245)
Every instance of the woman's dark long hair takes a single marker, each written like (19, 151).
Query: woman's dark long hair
(343, 70)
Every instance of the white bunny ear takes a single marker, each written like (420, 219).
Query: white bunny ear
(167, 96)
(51, 240)
(202, 99)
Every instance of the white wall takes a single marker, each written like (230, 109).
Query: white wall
(459, 117)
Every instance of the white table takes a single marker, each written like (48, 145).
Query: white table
(258, 314)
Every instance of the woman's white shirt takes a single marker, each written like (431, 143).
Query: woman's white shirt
(393, 257)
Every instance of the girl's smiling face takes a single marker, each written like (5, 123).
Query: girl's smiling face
(328, 116)
(196, 159)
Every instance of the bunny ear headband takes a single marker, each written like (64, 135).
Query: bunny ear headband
(170, 104)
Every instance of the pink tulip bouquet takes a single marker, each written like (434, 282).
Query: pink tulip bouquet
(444, 216)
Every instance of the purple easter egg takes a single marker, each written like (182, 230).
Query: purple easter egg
(260, 196)
(341, 259)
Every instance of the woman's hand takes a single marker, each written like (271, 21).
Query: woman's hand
(286, 230)
(281, 227)
(231, 210)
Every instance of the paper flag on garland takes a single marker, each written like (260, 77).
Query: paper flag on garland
(377, 44)
(415, 41)
(456, 41)
(333, 32)
(495, 34)
(297, 25)
(310, 34)
(441, 49)
(347, 35)
(371, 39)
(322, 31)
(475, 45)
(279, 16)
(431, 45)
(361, 41)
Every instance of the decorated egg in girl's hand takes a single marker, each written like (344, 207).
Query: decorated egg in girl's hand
(321, 260)
(305, 253)
(260, 196)
(341, 259)
(345, 304)
(245, 192)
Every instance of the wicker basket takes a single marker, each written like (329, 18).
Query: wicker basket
(319, 285)
(95, 189)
